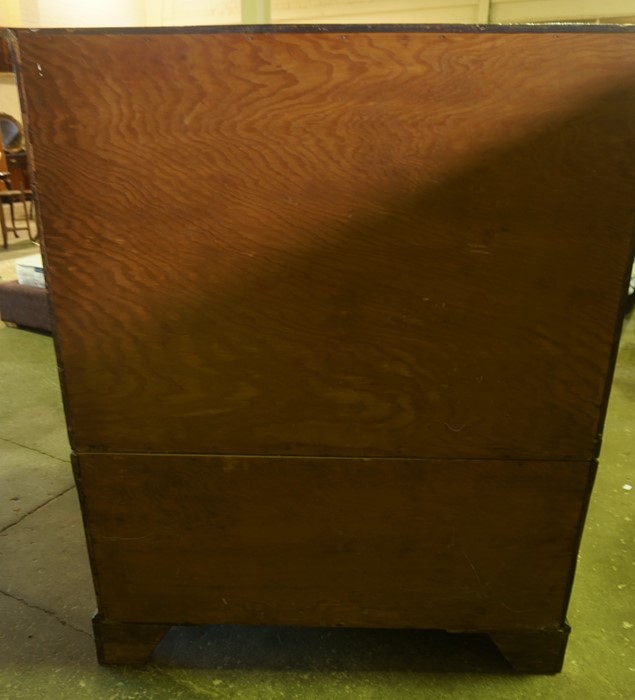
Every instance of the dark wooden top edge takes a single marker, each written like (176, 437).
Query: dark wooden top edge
(528, 28)
(79, 452)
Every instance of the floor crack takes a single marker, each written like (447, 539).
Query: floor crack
(56, 617)
(34, 449)
(35, 510)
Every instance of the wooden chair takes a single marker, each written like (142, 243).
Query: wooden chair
(10, 196)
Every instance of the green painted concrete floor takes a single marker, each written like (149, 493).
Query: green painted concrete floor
(46, 599)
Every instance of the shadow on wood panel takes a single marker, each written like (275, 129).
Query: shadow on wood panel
(485, 303)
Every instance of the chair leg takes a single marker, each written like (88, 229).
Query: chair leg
(26, 215)
(13, 224)
(3, 225)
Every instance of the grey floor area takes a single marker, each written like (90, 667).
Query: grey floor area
(46, 599)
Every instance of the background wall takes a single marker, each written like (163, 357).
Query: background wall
(460, 11)
(9, 100)
(189, 12)
(77, 13)
(561, 10)
(375, 11)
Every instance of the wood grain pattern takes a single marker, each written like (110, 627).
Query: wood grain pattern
(378, 543)
(371, 244)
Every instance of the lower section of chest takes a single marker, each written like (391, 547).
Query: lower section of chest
(466, 545)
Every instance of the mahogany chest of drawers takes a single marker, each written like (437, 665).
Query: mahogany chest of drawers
(341, 354)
